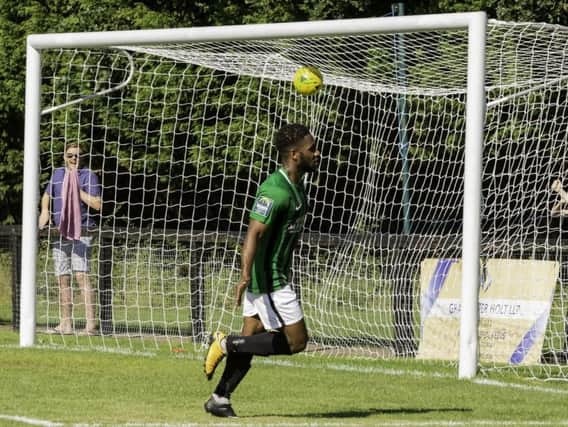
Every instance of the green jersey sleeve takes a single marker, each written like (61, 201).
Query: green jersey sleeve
(269, 203)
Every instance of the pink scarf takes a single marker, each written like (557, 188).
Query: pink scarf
(70, 223)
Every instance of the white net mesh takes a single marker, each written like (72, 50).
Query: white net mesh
(180, 137)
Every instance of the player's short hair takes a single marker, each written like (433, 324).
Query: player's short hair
(289, 135)
(73, 145)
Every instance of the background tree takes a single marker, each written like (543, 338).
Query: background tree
(549, 11)
(18, 19)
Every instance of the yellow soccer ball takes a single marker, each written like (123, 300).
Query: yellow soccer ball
(307, 80)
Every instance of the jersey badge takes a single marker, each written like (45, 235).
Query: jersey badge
(263, 206)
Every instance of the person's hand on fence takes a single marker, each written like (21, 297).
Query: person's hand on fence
(556, 186)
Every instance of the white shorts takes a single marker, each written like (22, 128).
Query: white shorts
(279, 308)
(71, 255)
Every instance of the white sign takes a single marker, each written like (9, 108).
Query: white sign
(515, 298)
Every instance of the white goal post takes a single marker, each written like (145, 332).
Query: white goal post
(473, 23)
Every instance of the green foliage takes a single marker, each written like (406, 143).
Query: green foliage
(19, 19)
(549, 11)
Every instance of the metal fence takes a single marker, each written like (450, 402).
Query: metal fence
(10, 269)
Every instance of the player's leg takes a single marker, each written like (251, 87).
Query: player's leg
(296, 335)
(287, 340)
(283, 321)
(236, 368)
(274, 324)
(238, 364)
(282, 318)
(217, 350)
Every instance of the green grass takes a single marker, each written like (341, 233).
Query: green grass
(146, 297)
(168, 388)
(64, 380)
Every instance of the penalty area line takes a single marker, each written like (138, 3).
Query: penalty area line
(414, 373)
(29, 421)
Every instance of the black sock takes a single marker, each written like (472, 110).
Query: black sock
(236, 368)
(263, 344)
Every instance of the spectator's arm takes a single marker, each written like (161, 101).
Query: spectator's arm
(558, 208)
(44, 213)
(93, 202)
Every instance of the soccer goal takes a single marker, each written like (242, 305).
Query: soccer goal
(418, 181)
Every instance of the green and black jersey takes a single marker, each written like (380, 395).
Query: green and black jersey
(281, 205)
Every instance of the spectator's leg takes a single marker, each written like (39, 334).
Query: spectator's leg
(89, 299)
(65, 304)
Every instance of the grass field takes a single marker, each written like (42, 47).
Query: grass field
(51, 386)
(66, 381)
(152, 292)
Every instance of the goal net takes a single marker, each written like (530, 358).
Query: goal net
(179, 135)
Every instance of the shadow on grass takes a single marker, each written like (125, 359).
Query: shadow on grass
(368, 412)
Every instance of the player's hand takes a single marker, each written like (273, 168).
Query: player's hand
(556, 186)
(240, 289)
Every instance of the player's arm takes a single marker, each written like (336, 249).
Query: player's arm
(256, 230)
(44, 213)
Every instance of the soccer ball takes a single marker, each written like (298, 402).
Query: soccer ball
(307, 80)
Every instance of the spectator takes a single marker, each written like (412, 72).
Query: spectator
(70, 193)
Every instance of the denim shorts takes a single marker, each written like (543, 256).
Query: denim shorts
(71, 255)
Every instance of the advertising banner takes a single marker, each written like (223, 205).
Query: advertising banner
(515, 298)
